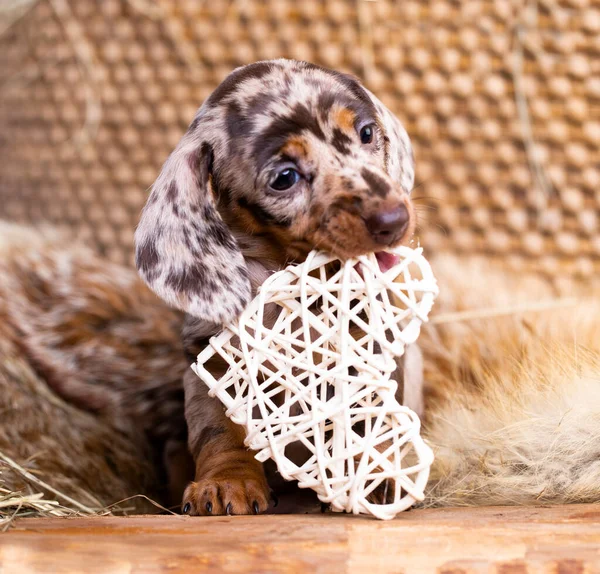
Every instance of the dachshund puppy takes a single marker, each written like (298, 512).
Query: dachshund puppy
(282, 158)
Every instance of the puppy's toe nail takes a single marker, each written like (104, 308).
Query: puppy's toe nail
(209, 507)
(186, 508)
(255, 507)
(228, 509)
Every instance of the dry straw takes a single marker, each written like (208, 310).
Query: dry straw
(44, 500)
(35, 502)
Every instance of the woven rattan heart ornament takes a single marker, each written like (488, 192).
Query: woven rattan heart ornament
(312, 387)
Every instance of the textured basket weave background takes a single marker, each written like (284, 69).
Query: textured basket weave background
(501, 99)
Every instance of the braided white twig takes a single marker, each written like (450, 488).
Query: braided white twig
(317, 380)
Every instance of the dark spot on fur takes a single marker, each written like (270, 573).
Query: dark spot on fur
(237, 123)
(207, 153)
(191, 280)
(340, 141)
(189, 243)
(350, 83)
(232, 82)
(349, 203)
(376, 183)
(260, 102)
(276, 134)
(221, 234)
(325, 102)
(208, 213)
(243, 271)
(195, 122)
(208, 434)
(200, 162)
(172, 192)
(303, 118)
(205, 245)
(261, 215)
(146, 256)
(223, 278)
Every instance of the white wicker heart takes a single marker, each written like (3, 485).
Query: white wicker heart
(316, 380)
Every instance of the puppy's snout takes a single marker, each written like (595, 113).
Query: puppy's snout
(386, 227)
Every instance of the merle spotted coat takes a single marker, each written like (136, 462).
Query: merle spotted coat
(282, 158)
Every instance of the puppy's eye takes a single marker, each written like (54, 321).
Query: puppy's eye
(366, 134)
(285, 179)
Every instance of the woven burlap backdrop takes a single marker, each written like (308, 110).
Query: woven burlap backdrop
(501, 99)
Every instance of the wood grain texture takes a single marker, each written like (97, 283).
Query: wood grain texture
(499, 540)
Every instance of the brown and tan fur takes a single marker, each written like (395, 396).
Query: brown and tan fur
(90, 373)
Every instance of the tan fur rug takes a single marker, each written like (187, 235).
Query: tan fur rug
(512, 402)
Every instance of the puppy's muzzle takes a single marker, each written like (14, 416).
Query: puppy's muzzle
(386, 226)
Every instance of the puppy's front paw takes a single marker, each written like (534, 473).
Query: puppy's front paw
(240, 489)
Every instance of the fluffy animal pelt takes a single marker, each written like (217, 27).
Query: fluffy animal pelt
(513, 402)
(90, 372)
(91, 369)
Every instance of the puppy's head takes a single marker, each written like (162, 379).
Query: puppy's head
(283, 152)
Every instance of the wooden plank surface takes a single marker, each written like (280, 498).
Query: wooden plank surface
(502, 540)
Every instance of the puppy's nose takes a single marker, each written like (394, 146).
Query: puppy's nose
(386, 227)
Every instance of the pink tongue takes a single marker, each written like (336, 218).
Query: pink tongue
(386, 260)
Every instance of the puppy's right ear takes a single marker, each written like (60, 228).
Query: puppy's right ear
(184, 251)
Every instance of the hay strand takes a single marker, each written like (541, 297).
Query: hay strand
(536, 167)
(491, 313)
(45, 486)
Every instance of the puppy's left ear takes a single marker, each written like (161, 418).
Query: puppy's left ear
(184, 250)
(398, 149)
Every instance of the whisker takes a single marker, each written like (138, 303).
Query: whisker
(421, 225)
(425, 197)
(421, 183)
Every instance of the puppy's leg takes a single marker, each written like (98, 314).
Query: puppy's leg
(228, 479)
(409, 376)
